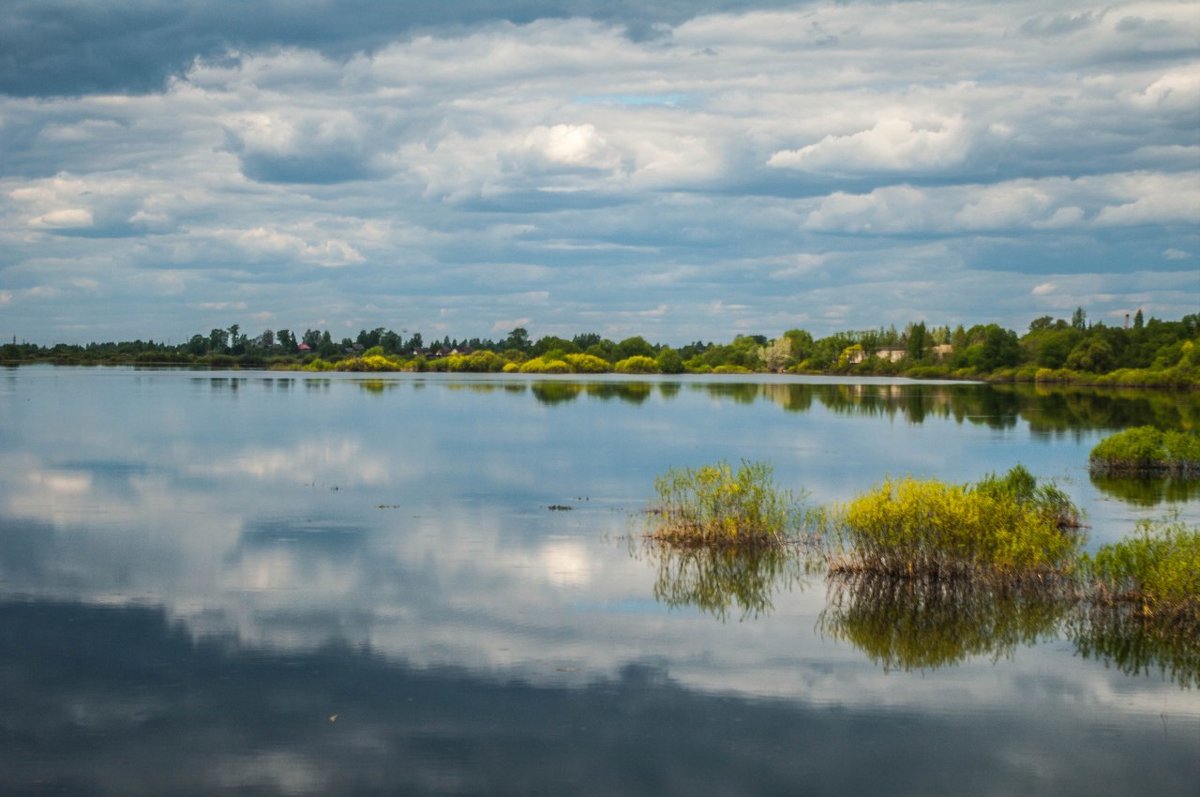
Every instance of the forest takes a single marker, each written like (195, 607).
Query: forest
(1141, 352)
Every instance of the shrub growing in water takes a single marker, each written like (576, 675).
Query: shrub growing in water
(1144, 449)
(1005, 526)
(716, 505)
(1158, 568)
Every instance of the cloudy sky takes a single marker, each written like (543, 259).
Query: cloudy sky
(677, 169)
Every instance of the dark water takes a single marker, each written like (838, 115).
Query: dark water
(282, 584)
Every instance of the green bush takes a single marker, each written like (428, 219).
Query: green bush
(1002, 525)
(1158, 568)
(717, 505)
(1144, 449)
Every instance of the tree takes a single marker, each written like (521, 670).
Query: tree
(669, 361)
(287, 341)
(1079, 319)
(217, 340)
(391, 342)
(917, 341)
(517, 339)
(1138, 320)
(637, 346)
(801, 344)
(777, 354)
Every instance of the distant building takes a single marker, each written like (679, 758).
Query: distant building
(895, 354)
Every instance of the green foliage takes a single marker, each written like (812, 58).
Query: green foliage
(636, 365)
(1003, 525)
(1158, 568)
(669, 361)
(1145, 449)
(716, 505)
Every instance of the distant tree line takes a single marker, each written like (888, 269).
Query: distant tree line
(1139, 352)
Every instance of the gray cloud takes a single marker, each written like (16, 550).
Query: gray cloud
(438, 167)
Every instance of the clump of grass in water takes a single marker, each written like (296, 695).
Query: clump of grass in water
(715, 505)
(1146, 450)
(1003, 527)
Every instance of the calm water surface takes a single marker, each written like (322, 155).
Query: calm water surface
(291, 584)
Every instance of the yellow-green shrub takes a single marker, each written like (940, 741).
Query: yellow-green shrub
(587, 363)
(912, 527)
(638, 364)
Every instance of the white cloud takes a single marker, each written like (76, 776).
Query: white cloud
(1044, 288)
(64, 219)
(575, 146)
(891, 145)
(1175, 254)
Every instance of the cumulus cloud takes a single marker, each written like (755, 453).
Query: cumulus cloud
(891, 145)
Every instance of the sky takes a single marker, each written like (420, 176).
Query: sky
(679, 170)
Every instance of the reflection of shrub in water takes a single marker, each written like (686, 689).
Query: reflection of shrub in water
(556, 392)
(1147, 490)
(1123, 635)
(632, 392)
(716, 580)
(920, 623)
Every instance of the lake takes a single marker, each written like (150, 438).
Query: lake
(279, 583)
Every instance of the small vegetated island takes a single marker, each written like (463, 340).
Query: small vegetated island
(1138, 352)
(922, 573)
(1147, 452)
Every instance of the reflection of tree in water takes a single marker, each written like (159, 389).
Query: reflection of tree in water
(1124, 636)
(1147, 490)
(741, 392)
(632, 392)
(912, 623)
(716, 580)
(376, 385)
(793, 398)
(559, 392)
(556, 392)
(1049, 410)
